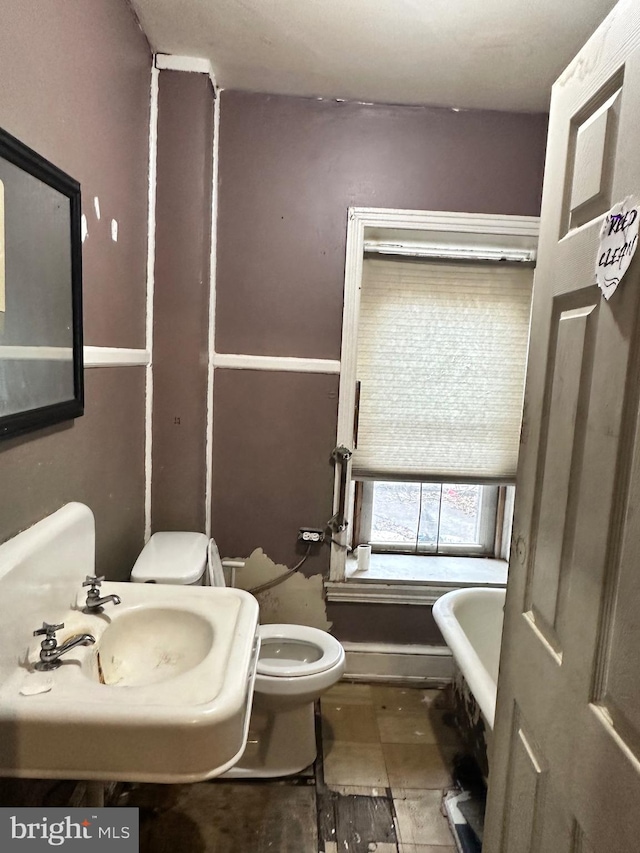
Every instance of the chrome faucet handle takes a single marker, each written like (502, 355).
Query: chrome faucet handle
(48, 630)
(50, 651)
(93, 581)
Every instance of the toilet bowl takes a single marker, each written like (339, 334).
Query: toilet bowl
(296, 663)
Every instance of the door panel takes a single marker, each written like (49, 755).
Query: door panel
(571, 371)
(593, 136)
(616, 686)
(527, 789)
(565, 769)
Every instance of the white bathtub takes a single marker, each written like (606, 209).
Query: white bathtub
(471, 624)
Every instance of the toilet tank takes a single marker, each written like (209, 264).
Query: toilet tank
(172, 557)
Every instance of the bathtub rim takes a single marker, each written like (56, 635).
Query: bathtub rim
(480, 682)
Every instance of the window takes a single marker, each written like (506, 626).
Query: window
(427, 518)
(435, 334)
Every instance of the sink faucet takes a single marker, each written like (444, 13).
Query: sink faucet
(94, 602)
(50, 651)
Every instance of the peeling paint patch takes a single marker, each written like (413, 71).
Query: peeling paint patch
(84, 230)
(96, 206)
(299, 600)
(114, 230)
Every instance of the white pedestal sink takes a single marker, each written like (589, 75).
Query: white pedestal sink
(163, 695)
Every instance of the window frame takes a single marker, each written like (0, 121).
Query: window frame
(421, 233)
(489, 521)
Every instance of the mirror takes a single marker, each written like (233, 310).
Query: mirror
(41, 369)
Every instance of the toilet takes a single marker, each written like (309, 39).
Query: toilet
(296, 663)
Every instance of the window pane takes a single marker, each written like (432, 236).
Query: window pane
(396, 512)
(429, 518)
(460, 515)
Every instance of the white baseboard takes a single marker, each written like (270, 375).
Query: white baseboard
(428, 666)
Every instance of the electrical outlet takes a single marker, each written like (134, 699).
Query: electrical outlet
(312, 535)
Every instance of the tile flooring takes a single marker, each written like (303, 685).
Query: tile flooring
(385, 759)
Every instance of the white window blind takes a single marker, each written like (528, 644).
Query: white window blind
(442, 350)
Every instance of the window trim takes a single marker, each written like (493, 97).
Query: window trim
(480, 231)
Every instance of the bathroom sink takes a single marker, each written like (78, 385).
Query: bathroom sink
(152, 644)
(164, 694)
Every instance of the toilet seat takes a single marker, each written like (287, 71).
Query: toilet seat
(289, 651)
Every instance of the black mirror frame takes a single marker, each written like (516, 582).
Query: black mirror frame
(20, 155)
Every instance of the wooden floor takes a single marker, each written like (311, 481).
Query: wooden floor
(385, 759)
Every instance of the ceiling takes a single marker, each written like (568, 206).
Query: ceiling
(483, 54)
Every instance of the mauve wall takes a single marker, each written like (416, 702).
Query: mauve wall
(273, 437)
(181, 300)
(289, 169)
(74, 85)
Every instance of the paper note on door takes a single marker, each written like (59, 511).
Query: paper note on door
(618, 243)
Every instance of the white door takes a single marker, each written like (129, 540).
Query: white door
(565, 767)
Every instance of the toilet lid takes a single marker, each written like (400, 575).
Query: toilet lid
(289, 651)
(172, 557)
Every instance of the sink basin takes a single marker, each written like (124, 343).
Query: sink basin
(151, 645)
(164, 694)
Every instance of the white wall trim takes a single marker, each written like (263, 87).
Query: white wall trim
(151, 263)
(385, 593)
(211, 343)
(428, 666)
(35, 353)
(115, 357)
(193, 64)
(91, 357)
(359, 219)
(269, 362)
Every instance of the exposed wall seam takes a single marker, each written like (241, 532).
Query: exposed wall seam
(238, 361)
(208, 497)
(151, 261)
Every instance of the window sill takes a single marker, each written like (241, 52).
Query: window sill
(422, 568)
(413, 579)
